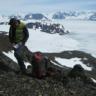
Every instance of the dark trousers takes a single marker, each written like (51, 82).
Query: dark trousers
(17, 54)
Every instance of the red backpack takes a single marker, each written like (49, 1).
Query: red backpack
(39, 65)
(38, 57)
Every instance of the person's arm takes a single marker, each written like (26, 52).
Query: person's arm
(10, 35)
(26, 35)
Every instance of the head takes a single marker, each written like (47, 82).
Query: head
(14, 22)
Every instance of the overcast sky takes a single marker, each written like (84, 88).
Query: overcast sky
(16, 6)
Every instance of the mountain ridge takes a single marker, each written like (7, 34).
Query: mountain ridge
(82, 15)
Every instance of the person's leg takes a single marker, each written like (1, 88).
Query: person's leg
(20, 59)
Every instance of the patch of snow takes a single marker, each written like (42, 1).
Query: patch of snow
(78, 26)
(40, 41)
(27, 64)
(71, 62)
(93, 80)
(10, 54)
(4, 28)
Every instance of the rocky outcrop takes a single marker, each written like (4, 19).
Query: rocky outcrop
(8, 64)
(12, 84)
(61, 82)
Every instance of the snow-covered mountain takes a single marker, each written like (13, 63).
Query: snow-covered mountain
(15, 16)
(83, 15)
(93, 17)
(3, 19)
(74, 15)
(36, 16)
(58, 15)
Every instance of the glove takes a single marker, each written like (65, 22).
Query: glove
(16, 46)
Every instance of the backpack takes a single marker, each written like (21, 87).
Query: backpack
(39, 65)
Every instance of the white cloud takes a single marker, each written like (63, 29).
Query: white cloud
(13, 6)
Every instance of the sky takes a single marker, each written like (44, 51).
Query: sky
(16, 6)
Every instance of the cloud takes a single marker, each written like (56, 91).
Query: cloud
(13, 6)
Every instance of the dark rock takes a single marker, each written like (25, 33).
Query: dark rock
(4, 44)
(77, 71)
(7, 63)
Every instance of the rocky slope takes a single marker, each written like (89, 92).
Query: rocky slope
(61, 84)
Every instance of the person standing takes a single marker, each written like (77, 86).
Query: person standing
(18, 35)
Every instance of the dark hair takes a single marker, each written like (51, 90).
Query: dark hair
(13, 20)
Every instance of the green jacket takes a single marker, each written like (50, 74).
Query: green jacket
(18, 34)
